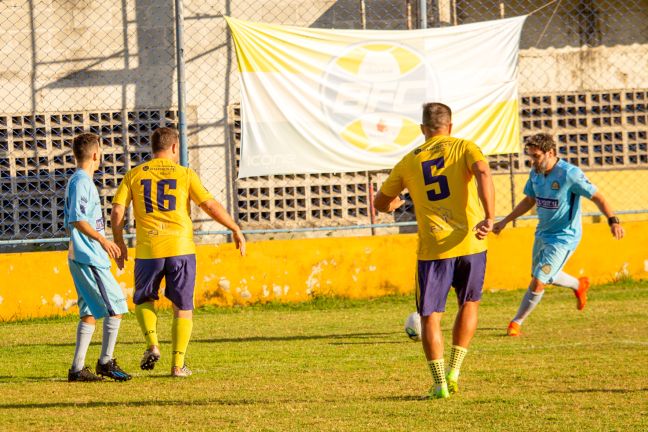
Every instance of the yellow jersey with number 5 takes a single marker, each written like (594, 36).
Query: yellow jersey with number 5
(160, 191)
(438, 176)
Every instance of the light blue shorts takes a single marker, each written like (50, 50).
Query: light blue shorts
(99, 293)
(548, 260)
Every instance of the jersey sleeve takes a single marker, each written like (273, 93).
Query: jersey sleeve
(79, 196)
(473, 154)
(580, 185)
(528, 189)
(393, 186)
(197, 192)
(123, 196)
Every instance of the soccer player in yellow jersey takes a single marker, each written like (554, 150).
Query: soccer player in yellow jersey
(447, 178)
(160, 191)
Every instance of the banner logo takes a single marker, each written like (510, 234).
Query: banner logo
(372, 95)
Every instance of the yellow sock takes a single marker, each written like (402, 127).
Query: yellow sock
(147, 319)
(180, 335)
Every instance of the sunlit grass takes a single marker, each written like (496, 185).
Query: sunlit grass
(346, 365)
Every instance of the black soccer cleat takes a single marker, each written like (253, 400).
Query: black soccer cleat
(112, 370)
(150, 357)
(84, 375)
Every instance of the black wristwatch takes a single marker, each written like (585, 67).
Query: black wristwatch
(613, 220)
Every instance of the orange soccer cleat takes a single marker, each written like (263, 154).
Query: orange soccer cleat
(581, 293)
(513, 329)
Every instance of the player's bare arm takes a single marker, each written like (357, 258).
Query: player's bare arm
(387, 204)
(523, 206)
(486, 191)
(117, 224)
(111, 248)
(217, 212)
(604, 207)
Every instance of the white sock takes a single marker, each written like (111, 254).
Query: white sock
(529, 302)
(438, 373)
(84, 336)
(110, 330)
(564, 280)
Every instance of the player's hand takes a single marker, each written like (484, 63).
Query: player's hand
(124, 255)
(111, 248)
(396, 204)
(499, 226)
(239, 240)
(483, 228)
(617, 231)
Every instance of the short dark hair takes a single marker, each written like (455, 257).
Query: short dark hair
(436, 115)
(163, 138)
(83, 145)
(543, 141)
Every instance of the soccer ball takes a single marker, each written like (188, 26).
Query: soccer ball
(413, 326)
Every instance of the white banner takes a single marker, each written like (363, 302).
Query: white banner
(317, 101)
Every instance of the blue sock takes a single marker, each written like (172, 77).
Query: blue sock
(529, 302)
(110, 331)
(84, 337)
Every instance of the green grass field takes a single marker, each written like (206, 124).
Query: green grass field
(339, 365)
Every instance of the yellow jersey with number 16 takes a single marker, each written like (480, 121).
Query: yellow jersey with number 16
(160, 191)
(438, 176)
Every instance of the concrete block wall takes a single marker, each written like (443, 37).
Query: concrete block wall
(110, 66)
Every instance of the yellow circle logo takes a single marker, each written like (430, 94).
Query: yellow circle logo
(372, 96)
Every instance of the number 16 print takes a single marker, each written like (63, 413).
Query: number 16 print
(162, 196)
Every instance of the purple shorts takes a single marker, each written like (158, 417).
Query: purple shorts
(179, 273)
(434, 279)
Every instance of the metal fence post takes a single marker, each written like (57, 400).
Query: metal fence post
(502, 9)
(180, 69)
(423, 14)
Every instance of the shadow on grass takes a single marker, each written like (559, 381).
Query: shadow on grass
(140, 403)
(27, 379)
(603, 390)
(234, 340)
(206, 402)
(295, 338)
(371, 343)
(404, 398)
(57, 379)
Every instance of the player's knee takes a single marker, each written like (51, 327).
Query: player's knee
(88, 319)
(180, 313)
(536, 286)
(470, 306)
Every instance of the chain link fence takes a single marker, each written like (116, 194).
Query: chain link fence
(70, 67)
(110, 68)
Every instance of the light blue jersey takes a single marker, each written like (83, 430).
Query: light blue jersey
(557, 197)
(82, 204)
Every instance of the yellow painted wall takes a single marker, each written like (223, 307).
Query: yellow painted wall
(38, 284)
